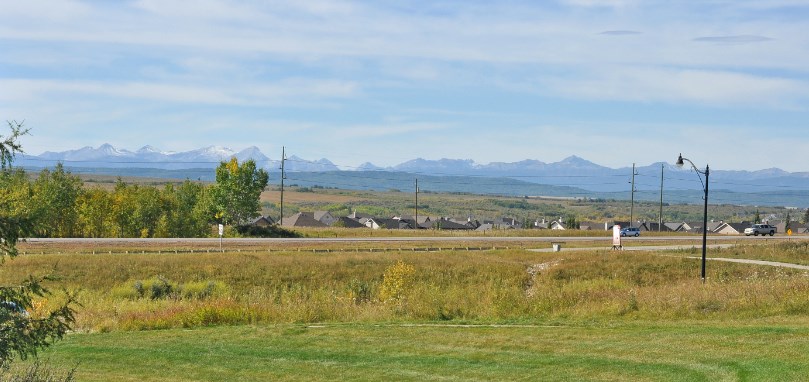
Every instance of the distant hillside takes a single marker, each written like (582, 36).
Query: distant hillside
(572, 176)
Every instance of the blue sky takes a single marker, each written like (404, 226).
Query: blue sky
(613, 81)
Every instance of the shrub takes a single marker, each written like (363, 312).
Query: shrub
(158, 288)
(200, 290)
(359, 291)
(396, 281)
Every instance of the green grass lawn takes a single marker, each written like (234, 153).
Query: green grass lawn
(632, 351)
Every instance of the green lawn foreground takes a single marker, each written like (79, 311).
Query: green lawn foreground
(407, 352)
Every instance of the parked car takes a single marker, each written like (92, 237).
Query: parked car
(630, 231)
(759, 229)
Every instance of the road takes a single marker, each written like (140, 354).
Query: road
(544, 239)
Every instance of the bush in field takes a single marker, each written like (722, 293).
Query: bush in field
(359, 291)
(201, 290)
(160, 288)
(396, 281)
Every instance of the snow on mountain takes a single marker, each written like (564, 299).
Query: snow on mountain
(443, 165)
(368, 166)
(209, 155)
(255, 154)
(571, 171)
(296, 164)
(88, 153)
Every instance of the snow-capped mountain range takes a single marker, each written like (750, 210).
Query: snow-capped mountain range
(572, 171)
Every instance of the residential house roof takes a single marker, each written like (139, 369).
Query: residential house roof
(731, 228)
(302, 219)
(348, 222)
(262, 221)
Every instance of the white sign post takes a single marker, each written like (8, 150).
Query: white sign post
(221, 233)
(616, 237)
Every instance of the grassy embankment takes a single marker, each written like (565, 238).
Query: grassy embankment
(633, 315)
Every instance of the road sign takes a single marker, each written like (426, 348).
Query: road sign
(789, 232)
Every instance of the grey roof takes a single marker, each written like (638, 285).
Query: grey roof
(318, 215)
(268, 220)
(348, 222)
(451, 225)
(302, 219)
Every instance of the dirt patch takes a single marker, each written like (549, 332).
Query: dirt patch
(533, 271)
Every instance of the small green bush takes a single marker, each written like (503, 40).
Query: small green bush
(159, 288)
(200, 290)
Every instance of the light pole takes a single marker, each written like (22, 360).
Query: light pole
(680, 162)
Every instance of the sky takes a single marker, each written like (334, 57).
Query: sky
(724, 82)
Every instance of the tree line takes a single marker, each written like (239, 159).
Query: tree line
(59, 204)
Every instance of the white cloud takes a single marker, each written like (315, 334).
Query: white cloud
(704, 87)
(282, 92)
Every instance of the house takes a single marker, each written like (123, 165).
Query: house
(449, 224)
(382, 223)
(347, 222)
(590, 226)
(422, 219)
(674, 227)
(485, 227)
(608, 225)
(558, 225)
(714, 225)
(302, 219)
(504, 223)
(642, 226)
(799, 228)
(362, 218)
(324, 217)
(261, 221)
(732, 228)
(657, 227)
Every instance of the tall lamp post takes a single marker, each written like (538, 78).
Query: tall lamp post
(680, 162)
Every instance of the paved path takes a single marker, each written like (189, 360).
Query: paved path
(637, 248)
(756, 262)
(680, 247)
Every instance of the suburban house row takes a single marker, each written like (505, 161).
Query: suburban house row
(356, 220)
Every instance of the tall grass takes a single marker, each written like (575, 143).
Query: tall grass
(123, 292)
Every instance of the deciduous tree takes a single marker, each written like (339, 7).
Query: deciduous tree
(22, 333)
(235, 196)
(55, 196)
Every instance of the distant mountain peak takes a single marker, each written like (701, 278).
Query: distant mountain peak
(148, 149)
(578, 162)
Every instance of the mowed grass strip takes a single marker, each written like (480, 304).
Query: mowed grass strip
(638, 351)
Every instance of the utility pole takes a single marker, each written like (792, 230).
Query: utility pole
(660, 216)
(417, 204)
(632, 198)
(283, 176)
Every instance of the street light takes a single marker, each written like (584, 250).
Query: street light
(680, 163)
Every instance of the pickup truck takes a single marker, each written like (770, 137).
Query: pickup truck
(759, 229)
